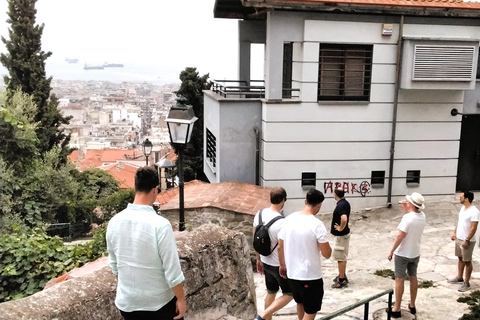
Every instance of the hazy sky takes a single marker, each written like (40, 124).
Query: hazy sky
(159, 33)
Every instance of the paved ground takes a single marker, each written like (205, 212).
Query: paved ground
(373, 233)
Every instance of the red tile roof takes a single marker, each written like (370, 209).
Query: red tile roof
(95, 158)
(112, 155)
(452, 4)
(123, 173)
(233, 196)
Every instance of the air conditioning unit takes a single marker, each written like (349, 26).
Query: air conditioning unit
(439, 64)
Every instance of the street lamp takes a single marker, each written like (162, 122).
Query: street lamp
(180, 122)
(164, 167)
(147, 149)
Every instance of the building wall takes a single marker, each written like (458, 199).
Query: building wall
(232, 122)
(343, 142)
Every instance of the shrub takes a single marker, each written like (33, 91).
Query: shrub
(28, 260)
(473, 301)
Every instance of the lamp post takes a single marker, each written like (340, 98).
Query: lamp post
(180, 122)
(147, 149)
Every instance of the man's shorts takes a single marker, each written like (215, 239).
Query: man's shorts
(340, 248)
(168, 311)
(309, 293)
(464, 253)
(273, 280)
(403, 264)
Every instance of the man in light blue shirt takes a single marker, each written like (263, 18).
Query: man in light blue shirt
(143, 254)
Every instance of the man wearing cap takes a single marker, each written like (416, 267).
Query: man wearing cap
(464, 237)
(406, 248)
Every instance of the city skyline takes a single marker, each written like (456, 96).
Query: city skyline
(160, 38)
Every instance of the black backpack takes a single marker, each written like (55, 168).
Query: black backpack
(261, 239)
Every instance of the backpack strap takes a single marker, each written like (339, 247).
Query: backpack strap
(272, 222)
(260, 217)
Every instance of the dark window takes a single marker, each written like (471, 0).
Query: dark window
(478, 67)
(309, 179)
(344, 72)
(378, 178)
(211, 148)
(413, 177)
(287, 70)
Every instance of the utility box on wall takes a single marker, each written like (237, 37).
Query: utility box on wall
(439, 64)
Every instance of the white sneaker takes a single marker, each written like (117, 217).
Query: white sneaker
(464, 287)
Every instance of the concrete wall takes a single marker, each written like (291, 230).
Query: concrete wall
(232, 122)
(218, 284)
(343, 142)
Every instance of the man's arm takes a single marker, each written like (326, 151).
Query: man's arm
(281, 258)
(454, 234)
(400, 236)
(471, 233)
(343, 223)
(181, 303)
(325, 249)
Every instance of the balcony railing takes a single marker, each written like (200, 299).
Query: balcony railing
(253, 89)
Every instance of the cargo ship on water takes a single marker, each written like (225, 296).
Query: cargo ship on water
(112, 65)
(71, 60)
(92, 67)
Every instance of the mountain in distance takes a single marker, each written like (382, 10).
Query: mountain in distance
(71, 60)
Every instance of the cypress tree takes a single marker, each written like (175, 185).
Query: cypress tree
(25, 62)
(191, 88)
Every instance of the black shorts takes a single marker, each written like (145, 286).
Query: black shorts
(273, 280)
(167, 312)
(309, 293)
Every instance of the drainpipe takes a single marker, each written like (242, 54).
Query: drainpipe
(395, 109)
(257, 156)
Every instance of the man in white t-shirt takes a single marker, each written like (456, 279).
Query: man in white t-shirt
(269, 265)
(406, 249)
(302, 242)
(464, 237)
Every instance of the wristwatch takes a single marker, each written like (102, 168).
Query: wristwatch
(468, 240)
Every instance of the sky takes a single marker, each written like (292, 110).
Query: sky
(156, 34)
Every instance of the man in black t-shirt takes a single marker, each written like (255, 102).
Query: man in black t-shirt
(341, 231)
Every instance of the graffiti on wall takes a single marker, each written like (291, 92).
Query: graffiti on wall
(350, 187)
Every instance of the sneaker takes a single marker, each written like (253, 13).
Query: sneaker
(464, 287)
(394, 314)
(455, 280)
(257, 317)
(340, 284)
(336, 278)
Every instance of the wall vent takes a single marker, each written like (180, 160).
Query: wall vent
(443, 63)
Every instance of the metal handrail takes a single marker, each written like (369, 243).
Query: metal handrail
(362, 302)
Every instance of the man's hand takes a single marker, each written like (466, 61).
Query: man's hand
(390, 256)
(283, 272)
(181, 308)
(454, 237)
(336, 227)
(465, 244)
(259, 266)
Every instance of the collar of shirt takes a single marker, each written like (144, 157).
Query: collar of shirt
(141, 207)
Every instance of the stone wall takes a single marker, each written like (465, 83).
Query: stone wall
(218, 284)
(194, 218)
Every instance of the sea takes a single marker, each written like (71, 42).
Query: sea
(130, 72)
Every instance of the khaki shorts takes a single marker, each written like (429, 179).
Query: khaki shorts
(464, 253)
(340, 248)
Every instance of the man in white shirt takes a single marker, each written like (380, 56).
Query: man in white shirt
(302, 242)
(406, 248)
(142, 252)
(464, 237)
(269, 265)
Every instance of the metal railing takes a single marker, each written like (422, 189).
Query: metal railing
(253, 89)
(365, 302)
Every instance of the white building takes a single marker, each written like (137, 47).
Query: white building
(355, 94)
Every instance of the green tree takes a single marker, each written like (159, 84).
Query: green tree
(97, 184)
(25, 62)
(191, 88)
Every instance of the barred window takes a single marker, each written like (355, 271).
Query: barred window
(211, 148)
(287, 70)
(345, 72)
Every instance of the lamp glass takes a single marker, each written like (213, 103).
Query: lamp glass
(180, 132)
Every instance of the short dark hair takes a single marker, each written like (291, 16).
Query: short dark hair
(146, 178)
(469, 195)
(314, 197)
(340, 192)
(277, 195)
